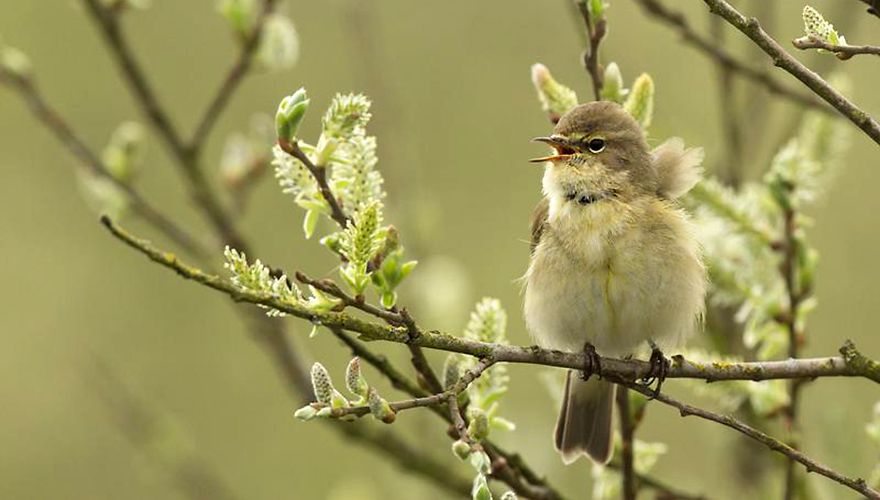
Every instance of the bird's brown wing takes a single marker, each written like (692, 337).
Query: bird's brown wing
(539, 221)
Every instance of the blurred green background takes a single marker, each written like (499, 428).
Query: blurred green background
(453, 111)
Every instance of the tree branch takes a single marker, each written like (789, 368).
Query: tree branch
(507, 467)
(55, 123)
(624, 372)
(319, 172)
(690, 36)
(596, 29)
(200, 189)
(752, 29)
(627, 430)
(408, 458)
(843, 52)
(873, 7)
(437, 399)
(774, 444)
(850, 364)
(233, 79)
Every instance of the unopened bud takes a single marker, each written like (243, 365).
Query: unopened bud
(479, 426)
(461, 449)
(380, 408)
(15, 62)
(290, 114)
(354, 381)
(640, 103)
(322, 384)
(556, 99)
(612, 88)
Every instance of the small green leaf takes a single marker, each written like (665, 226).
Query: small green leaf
(310, 222)
(306, 413)
(290, 115)
(480, 490)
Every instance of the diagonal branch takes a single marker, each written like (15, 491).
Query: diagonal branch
(678, 20)
(233, 79)
(108, 23)
(774, 444)
(55, 123)
(319, 172)
(752, 29)
(200, 189)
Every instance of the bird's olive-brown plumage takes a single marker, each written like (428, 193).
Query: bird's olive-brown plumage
(614, 262)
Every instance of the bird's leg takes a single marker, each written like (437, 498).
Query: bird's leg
(660, 366)
(592, 363)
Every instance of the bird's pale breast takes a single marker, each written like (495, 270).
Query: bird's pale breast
(615, 275)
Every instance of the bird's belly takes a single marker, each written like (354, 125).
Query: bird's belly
(568, 303)
(615, 300)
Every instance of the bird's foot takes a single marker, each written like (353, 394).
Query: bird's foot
(592, 363)
(659, 369)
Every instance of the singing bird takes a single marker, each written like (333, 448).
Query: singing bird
(614, 262)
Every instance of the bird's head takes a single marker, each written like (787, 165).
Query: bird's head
(600, 154)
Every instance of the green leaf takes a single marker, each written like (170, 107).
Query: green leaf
(310, 222)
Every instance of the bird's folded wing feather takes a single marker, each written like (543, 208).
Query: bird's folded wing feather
(539, 221)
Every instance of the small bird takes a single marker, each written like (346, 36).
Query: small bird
(614, 260)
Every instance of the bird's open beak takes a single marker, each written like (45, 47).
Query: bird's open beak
(563, 150)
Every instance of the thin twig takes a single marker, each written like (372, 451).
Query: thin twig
(427, 377)
(690, 36)
(200, 189)
(433, 400)
(233, 79)
(319, 172)
(873, 7)
(752, 29)
(55, 123)
(857, 484)
(730, 112)
(596, 29)
(627, 430)
(409, 458)
(789, 273)
(851, 363)
(398, 380)
(507, 467)
(330, 288)
(842, 51)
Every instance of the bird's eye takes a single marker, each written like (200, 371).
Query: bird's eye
(596, 145)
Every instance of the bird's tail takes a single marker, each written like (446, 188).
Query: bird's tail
(584, 425)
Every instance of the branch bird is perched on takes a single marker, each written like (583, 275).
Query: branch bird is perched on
(614, 260)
